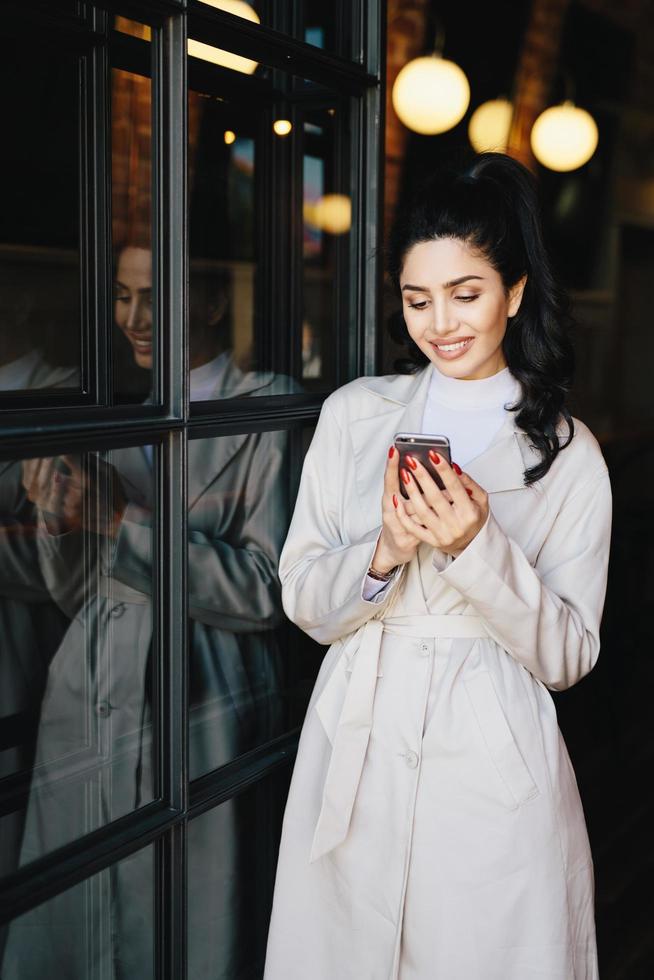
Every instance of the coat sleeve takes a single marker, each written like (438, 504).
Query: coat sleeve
(321, 571)
(548, 616)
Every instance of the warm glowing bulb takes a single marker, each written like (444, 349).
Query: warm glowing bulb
(331, 213)
(229, 137)
(282, 126)
(489, 126)
(564, 137)
(431, 95)
(197, 49)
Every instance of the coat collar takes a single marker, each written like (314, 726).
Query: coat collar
(400, 405)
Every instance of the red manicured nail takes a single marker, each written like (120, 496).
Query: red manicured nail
(394, 501)
(457, 469)
(434, 457)
(411, 461)
(405, 475)
(391, 452)
(469, 491)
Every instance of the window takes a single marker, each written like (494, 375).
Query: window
(187, 268)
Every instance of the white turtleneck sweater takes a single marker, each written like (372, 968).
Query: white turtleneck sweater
(470, 414)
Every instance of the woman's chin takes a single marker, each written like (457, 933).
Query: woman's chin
(143, 360)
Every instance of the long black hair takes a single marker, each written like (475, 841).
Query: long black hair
(490, 203)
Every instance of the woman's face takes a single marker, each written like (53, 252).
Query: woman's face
(455, 308)
(133, 301)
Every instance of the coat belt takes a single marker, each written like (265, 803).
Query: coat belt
(355, 720)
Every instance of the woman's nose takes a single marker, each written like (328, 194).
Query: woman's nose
(444, 321)
(138, 318)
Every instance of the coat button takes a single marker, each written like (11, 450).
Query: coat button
(424, 649)
(411, 759)
(103, 709)
(118, 610)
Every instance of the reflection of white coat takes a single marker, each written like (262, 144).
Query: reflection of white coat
(434, 826)
(94, 752)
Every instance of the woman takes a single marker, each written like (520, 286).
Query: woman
(434, 827)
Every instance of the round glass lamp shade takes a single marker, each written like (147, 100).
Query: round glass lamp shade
(431, 95)
(564, 137)
(197, 49)
(282, 127)
(489, 126)
(331, 213)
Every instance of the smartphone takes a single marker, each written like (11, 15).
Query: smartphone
(418, 444)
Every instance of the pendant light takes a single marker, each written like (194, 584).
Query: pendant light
(564, 137)
(431, 94)
(490, 124)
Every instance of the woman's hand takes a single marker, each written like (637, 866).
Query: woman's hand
(398, 542)
(68, 495)
(446, 519)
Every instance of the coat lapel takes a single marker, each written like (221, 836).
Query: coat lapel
(400, 408)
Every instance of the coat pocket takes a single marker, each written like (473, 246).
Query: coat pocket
(502, 748)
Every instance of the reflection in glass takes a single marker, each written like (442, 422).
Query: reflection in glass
(39, 220)
(327, 25)
(131, 196)
(223, 265)
(216, 56)
(327, 219)
(238, 518)
(77, 675)
(89, 932)
(232, 853)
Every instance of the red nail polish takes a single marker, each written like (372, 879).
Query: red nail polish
(391, 452)
(411, 461)
(394, 501)
(405, 475)
(434, 457)
(469, 491)
(457, 469)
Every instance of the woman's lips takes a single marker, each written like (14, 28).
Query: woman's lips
(141, 344)
(452, 349)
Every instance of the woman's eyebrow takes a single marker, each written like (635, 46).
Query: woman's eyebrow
(142, 289)
(446, 285)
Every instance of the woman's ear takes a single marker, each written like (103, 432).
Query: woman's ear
(515, 296)
(217, 310)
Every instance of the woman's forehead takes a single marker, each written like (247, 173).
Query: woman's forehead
(444, 259)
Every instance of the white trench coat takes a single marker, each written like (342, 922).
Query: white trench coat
(434, 829)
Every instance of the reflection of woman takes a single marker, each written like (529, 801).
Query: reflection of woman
(434, 826)
(236, 518)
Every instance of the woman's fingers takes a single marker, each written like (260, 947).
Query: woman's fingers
(411, 525)
(432, 497)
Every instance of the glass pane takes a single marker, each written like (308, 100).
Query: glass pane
(76, 669)
(102, 928)
(232, 854)
(327, 220)
(131, 201)
(223, 264)
(248, 683)
(328, 25)
(39, 219)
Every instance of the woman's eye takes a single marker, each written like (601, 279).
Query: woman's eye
(121, 299)
(466, 299)
(421, 305)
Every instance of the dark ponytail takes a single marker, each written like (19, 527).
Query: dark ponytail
(490, 203)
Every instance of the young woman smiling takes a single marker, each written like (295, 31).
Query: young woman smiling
(434, 827)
